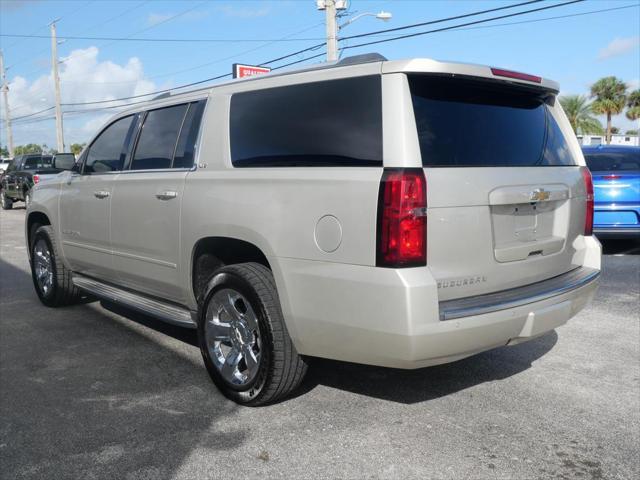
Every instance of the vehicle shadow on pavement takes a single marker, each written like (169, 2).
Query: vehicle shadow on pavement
(620, 247)
(414, 386)
(84, 393)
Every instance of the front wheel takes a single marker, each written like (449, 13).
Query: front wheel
(5, 202)
(51, 279)
(243, 338)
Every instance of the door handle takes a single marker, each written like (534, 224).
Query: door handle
(166, 195)
(101, 194)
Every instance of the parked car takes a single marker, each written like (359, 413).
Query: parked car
(339, 211)
(616, 183)
(4, 163)
(21, 175)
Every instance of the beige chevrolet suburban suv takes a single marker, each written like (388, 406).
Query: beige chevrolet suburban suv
(394, 213)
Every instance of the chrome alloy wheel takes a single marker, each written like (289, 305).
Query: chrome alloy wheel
(42, 266)
(232, 337)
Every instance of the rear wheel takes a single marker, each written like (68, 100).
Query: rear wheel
(243, 338)
(51, 279)
(5, 202)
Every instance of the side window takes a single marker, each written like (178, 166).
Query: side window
(157, 142)
(188, 136)
(106, 153)
(329, 123)
(31, 163)
(46, 161)
(12, 166)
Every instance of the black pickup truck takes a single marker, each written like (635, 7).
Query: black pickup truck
(23, 173)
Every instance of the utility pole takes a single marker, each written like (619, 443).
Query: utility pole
(332, 30)
(56, 84)
(7, 114)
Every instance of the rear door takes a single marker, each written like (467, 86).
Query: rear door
(147, 200)
(506, 200)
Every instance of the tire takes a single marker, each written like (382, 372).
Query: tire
(250, 290)
(5, 202)
(59, 290)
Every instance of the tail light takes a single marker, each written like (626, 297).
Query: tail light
(499, 72)
(588, 187)
(36, 178)
(402, 220)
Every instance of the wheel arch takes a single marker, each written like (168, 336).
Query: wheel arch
(34, 219)
(212, 252)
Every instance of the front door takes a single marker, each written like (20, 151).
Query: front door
(85, 202)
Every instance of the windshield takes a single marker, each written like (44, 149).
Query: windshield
(465, 122)
(607, 161)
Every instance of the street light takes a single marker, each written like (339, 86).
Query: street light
(330, 7)
(382, 15)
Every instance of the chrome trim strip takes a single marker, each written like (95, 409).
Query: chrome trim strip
(516, 297)
(86, 247)
(145, 259)
(163, 311)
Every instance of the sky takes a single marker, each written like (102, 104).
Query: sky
(573, 50)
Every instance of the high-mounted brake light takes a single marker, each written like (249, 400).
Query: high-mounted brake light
(36, 178)
(611, 177)
(402, 219)
(499, 72)
(588, 187)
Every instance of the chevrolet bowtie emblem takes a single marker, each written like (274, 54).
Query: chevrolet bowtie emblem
(539, 194)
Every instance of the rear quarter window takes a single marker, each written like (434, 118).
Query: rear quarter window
(469, 123)
(328, 123)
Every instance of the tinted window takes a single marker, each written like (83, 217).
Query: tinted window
(30, 163)
(188, 136)
(46, 161)
(331, 123)
(462, 122)
(106, 153)
(11, 167)
(157, 142)
(606, 161)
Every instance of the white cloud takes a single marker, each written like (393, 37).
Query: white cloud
(619, 46)
(83, 78)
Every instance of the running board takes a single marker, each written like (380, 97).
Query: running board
(155, 308)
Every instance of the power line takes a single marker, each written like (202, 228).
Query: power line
(452, 27)
(167, 40)
(441, 20)
(455, 27)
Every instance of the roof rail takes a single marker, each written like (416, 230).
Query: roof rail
(358, 59)
(162, 95)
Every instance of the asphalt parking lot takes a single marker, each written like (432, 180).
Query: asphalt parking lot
(91, 392)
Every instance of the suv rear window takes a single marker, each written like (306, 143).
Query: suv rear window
(470, 123)
(329, 123)
(608, 161)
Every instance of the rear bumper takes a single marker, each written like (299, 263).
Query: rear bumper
(392, 318)
(617, 232)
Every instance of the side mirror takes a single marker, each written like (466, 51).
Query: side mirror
(65, 162)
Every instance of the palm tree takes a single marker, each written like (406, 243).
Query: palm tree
(579, 113)
(610, 95)
(633, 104)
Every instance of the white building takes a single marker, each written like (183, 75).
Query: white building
(616, 139)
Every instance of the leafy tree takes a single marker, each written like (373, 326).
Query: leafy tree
(631, 132)
(29, 148)
(580, 116)
(633, 104)
(610, 95)
(76, 148)
(4, 151)
(615, 130)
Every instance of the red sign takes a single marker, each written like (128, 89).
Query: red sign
(241, 71)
